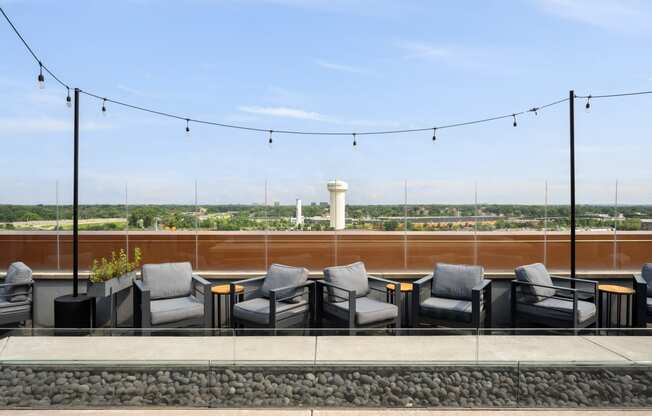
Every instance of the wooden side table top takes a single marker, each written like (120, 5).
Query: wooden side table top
(405, 287)
(226, 289)
(621, 290)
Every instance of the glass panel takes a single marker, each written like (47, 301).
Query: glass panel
(441, 222)
(308, 243)
(634, 222)
(510, 226)
(375, 225)
(231, 233)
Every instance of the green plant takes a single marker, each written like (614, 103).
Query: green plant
(118, 265)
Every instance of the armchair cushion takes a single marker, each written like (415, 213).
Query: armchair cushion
(279, 276)
(449, 309)
(168, 280)
(455, 281)
(176, 309)
(537, 274)
(257, 310)
(350, 277)
(18, 272)
(367, 310)
(646, 272)
(558, 309)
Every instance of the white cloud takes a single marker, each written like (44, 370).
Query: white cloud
(341, 68)
(625, 16)
(17, 125)
(421, 50)
(284, 112)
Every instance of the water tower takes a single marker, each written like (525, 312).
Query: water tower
(338, 190)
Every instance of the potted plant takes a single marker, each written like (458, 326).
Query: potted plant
(109, 276)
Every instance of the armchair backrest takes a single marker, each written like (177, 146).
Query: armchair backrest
(455, 281)
(537, 274)
(350, 277)
(646, 273)
(18, 272)
(168, 280)
(279, 276)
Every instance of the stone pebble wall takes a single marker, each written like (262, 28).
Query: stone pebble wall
(31, 386)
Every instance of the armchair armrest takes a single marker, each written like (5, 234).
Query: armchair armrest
(27, 292)
(197, 280)
(273, 298)
(640, 301)
(397, 288)
(351, 296)
(273, 293)
(142, 316)
(481, 296)
(568, 279)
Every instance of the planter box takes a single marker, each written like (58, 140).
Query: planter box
(110, 289)
(112, 286)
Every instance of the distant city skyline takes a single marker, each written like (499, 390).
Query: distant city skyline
(393, 65)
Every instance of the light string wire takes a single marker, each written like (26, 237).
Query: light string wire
(105, 100)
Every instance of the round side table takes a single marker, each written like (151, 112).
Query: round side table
(619, 292)
(224, 290)
(406, 290)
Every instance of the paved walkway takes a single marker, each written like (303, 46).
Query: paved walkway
(333, 349)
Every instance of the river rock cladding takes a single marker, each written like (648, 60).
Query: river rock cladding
(246, 386)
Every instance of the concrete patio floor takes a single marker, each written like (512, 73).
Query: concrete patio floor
(332, 349)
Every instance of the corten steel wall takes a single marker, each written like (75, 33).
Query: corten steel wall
(381, 251)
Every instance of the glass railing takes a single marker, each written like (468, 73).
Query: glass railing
(401, 226)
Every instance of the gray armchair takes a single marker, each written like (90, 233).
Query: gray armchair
(643, 298)
(535, 298)
(453, 294)
(171, 296)
(345, 295)
(16, 304)
(278, 299)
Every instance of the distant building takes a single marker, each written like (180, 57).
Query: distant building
(646, 224)
(338, 190)
(299, 214)
(277, 204)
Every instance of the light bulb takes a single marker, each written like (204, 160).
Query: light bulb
(355, 143)
(68, 99)
(270, 141)
(434, 134)
(587, 107)
(515, 123)
(188, 127)
(40, 79)
(104, 107)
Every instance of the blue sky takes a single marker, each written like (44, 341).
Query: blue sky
(338, 65)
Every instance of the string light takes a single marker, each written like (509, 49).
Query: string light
(515, 123)
(187, 127)
(587, 107)
(270, 141)
(434, 134)
(40, 79)
(68, 99)
(534, 110)
(103, 106)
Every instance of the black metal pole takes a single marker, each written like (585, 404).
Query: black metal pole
(75, 204)
(571, 101)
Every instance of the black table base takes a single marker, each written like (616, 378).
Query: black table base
(74, 312)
